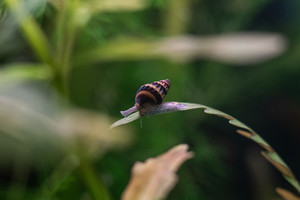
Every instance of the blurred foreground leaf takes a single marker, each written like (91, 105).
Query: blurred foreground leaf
(15, 73)
(154, 178)
(34, 120)
(47, 132)
(240, 48)
(89, 130)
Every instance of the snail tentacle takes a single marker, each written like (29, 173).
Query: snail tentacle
(125, 113)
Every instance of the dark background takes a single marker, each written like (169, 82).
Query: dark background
(265, 96)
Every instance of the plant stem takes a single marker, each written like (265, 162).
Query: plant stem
(92, 180)
(177, 16)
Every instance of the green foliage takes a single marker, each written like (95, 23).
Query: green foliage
(56, 56)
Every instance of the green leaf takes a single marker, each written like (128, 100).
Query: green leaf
(168, 107)
(117, 5)
(293, 182)
(126, 120)
(259, 140)
(276, 158)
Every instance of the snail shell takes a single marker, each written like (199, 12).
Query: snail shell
(150, 93)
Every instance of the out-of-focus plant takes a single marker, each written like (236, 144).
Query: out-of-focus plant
(74, 137)
(80, 135)
(243, 48)
(73, 15)
(29, 120)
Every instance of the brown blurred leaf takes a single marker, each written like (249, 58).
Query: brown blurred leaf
(156, 177)
(286, 195)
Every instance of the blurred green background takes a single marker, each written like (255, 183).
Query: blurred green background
(58, 57)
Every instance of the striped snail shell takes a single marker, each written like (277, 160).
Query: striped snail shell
(150, 93)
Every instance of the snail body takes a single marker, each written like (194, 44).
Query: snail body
(150, 93)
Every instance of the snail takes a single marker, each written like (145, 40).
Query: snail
(147, 94)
